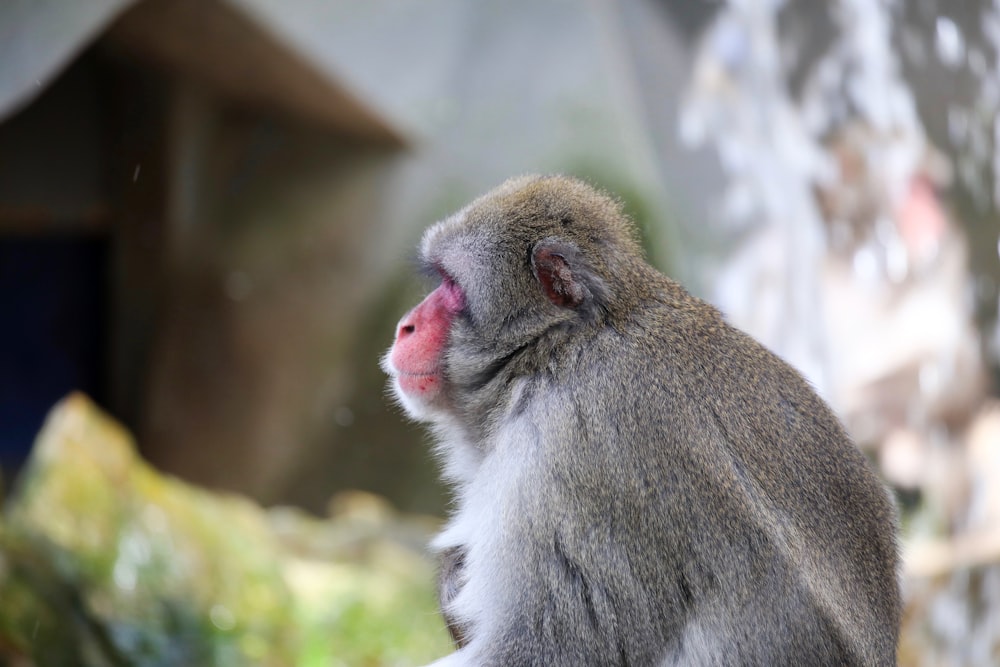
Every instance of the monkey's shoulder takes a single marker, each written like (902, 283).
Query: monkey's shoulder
(681, 370)
(681, 335)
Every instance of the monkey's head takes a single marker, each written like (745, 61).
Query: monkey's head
(536, 257)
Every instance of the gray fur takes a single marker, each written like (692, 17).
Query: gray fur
(637, 482)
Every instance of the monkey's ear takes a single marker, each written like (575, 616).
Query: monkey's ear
(555, 267)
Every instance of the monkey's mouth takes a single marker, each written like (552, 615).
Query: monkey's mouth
(421, 384)
(414, 375)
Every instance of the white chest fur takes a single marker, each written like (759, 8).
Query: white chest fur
(491, 502)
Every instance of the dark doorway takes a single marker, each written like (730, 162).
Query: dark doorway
(53, 297)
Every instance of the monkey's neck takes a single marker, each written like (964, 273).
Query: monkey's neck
(459, 457)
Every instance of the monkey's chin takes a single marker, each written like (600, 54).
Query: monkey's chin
(416, 399)
(419, 394)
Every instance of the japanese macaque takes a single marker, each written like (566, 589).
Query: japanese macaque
(637, 482)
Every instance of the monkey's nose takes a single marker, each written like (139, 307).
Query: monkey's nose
(405, 330)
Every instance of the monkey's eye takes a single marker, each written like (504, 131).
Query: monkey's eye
(454, 297)
(452, 293)
(428, 270)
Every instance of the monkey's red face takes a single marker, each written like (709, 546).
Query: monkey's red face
(415, 360)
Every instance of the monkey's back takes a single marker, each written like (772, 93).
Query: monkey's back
(730, 469)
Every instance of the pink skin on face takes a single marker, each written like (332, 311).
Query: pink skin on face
(420, 340)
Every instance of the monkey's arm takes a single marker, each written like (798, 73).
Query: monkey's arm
(542, 587)
(451, 574)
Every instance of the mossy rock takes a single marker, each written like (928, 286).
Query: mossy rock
(104, 561)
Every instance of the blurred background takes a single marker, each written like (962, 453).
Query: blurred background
(208, 210)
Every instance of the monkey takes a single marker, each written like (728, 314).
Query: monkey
(451, 563)
(636, 481)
